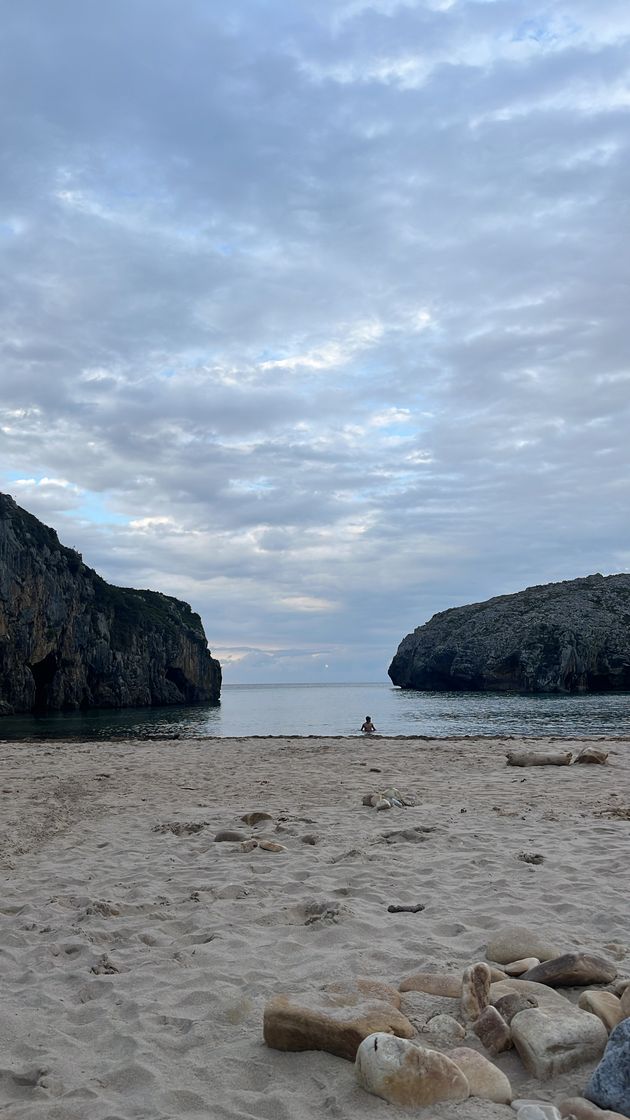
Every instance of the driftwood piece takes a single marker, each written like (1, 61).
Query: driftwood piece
(538, 758)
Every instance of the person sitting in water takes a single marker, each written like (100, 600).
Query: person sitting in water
(368, 727)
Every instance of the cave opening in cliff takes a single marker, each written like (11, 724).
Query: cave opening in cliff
(43, 674)
(180, 680)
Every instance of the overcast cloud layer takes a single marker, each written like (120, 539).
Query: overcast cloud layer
(315, 312)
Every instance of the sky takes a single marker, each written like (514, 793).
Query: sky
(314, 313)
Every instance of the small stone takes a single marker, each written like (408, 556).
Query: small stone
(550, 1043)
(310, 838)
(514, 942)
(592, 754)
(572, 970)
(517, 968)
(521, 1102)
(392, 794)
(367, 799)
(383, 803)
(493, 1031)
(605, 1005)
(535, 1110)
(313, 1022)
(256, 817)
(577, 1108)
(508, 1006)
(445, 1029)
(271, 846)
(249, 845)
(433, 983)
(230, 835)
(484, 1079)
(548, 999)
(609, 1087)
(402, 1073)
(475, 990)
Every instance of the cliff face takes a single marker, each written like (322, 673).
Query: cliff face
(560, 637)
(69, 640)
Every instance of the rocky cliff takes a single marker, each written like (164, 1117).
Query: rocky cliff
(70, 640)
(560, 637)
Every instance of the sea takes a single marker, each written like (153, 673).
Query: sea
(339, 709)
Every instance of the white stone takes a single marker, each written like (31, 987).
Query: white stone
(535, 1110)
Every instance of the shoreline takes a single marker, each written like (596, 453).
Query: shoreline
(138, 953)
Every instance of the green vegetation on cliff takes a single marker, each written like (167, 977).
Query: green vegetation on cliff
(68, 639)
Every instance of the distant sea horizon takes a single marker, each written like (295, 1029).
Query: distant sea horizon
(296, 709)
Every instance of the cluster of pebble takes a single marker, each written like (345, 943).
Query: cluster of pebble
(249, 843)
(390, 798)
(516, 1006)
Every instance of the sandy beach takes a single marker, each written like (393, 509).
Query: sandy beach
(137, 954)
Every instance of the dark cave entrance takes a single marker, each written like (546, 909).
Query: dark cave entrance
(180, 680)
(43, 674)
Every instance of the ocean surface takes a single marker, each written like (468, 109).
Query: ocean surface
(339, 709)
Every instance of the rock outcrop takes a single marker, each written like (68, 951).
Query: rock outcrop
(70, 640)
(559, 637)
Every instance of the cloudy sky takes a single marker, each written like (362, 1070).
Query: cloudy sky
(315, 312)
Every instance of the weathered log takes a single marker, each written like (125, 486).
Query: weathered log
(538, 758)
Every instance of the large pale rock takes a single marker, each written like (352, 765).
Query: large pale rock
(514, 942)
(433, 983)
(609, 1087)
(550, 1043)
(606, 1005)
(492, 1029)
(484, 1079)
(625, 1002)
(581, 1109)
(572, 970)
(538, 758)
(318, 1023)
(404, 1074)
(475, 990)
(592, 755)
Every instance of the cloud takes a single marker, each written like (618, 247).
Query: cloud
(318, 318)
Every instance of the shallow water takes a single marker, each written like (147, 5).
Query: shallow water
(339, 709)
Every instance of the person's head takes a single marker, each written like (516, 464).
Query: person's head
(368, 719)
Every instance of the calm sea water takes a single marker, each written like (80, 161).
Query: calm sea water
(339, 709)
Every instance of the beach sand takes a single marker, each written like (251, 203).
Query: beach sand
(137, 954)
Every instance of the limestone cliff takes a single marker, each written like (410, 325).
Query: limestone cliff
(559, 637)
(70, 640)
